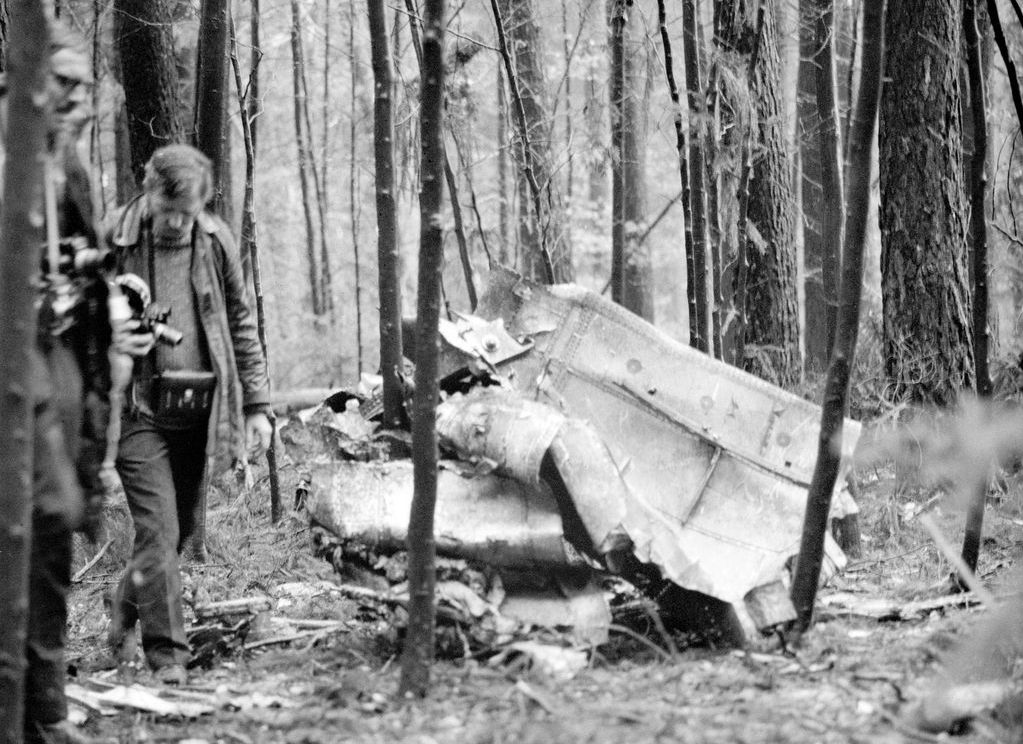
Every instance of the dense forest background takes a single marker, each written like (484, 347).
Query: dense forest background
(608, 140)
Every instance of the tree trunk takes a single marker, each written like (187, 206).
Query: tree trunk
(683, 167)
(387, 218)
(355, 208)
(924, 281)
(5, 25)
(304, 166)
(250, 115)
(978, 240)
(211, 98)
(254, 103)
(250, 250)
(19, 262)
(418, 653)
(631, 270)
(699, 303)
(771, 340)
(821, 257)
(146, 48)
(822, 484)
(546, 229)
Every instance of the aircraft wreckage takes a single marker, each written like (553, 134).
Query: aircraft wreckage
(587, 442)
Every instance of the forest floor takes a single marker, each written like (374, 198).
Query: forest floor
(852, 680)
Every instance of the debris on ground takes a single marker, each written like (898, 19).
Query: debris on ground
(582, 443)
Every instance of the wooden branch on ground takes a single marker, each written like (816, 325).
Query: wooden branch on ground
(80, 573)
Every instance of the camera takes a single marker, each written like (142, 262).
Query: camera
(154, 320)
(152, 316)
(76, 258)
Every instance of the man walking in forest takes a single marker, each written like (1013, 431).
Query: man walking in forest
(187, 399)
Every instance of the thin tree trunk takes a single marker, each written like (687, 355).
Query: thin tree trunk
(417, 657)
(318, 174)
(526, 81)
(683, 167)
(631, 270)
(823, 201)
(452, 184)
(387, 218)
(355, 201)
(211, 98)
(830, 157)
(146, 50)
(699, 293)
(503, 255)
(19, 261)
(818, 505)
(1010, 66)
(250, 116)
(303, 157)
(249, 248)
(254, 103)
(978, 235)
(5, 26)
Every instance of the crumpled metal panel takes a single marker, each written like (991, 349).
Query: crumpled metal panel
(499, 521)
(516, 435)
(722, 456)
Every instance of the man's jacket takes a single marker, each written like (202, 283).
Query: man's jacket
(223, 300)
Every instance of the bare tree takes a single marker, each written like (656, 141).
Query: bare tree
(543, 232)
(304, 165)
(825, 473)
(631, 270)
(146, 50)
(250, 249)
(387, 219)
(418, 653)
(19, 259)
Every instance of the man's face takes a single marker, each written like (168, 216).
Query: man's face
(70, 88)
(173, 218)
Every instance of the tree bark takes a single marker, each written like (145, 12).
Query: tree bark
(821, 176)
(418, 652)
(146, 49)
(978, 239)
(699, 302)
(211, 98)
(546, 229)
(822, 484)
(19, 262)
(924, 282)
(771, 340)
(631, 270)
(387, 219)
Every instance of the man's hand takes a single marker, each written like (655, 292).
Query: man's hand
(258, 432)
(127, 339)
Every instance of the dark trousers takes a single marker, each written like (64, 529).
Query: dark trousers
(162, 472)
(57, 508)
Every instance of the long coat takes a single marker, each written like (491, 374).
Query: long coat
(224, 311)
